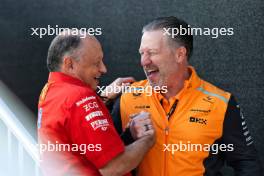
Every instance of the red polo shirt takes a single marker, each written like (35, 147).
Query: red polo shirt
(76, 132)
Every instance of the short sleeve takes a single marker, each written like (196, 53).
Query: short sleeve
(90, 124)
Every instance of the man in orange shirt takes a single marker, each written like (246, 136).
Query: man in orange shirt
(199, 126)
(76, 132)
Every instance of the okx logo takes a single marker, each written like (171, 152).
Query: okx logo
(198, 120)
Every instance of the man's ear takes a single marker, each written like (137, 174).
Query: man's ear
(67, 64)
(181, 54)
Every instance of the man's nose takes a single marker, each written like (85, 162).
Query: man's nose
(103, 68)
(145, 60)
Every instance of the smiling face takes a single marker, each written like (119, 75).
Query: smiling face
(90, 66)
(158, 59)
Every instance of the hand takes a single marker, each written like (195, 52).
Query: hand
(115, 88)
(141, 125)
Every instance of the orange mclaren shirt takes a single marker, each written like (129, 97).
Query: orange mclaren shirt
(198, 130)
(196, 120)
(76, 132)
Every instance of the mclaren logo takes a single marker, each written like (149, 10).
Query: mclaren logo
(201, 110)
(198, 120)
(209, 99)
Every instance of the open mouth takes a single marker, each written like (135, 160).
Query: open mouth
(152, 72)
(97, 78)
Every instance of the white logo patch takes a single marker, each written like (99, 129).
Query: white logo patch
(94, 114)
(83, 100)
(90, 106)
(100, 124)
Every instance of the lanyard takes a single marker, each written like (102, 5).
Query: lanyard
(172, 109)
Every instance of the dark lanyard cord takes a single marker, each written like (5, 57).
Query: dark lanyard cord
(172, 109)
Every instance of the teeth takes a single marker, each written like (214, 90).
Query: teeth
(151, 71)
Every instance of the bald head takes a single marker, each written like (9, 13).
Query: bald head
(66, 45)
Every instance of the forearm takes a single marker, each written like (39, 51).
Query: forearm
(129, 159)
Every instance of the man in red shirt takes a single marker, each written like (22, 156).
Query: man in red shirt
(76, 132)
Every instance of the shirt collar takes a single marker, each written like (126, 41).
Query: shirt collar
(193, 82)
(61, 77)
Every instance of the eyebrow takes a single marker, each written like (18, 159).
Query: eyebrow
(154, 49)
